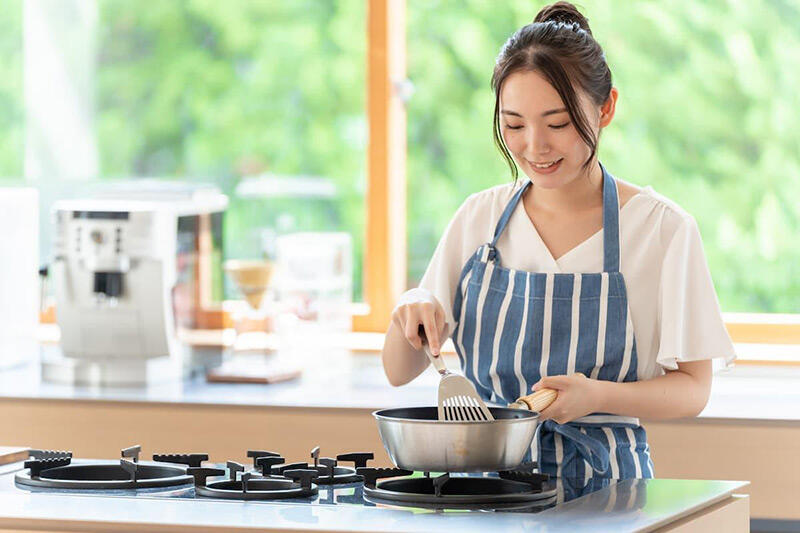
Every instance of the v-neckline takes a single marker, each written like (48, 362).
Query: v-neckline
(555, 263)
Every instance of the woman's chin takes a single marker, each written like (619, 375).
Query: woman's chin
(545, 181)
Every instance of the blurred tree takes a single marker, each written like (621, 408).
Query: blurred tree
(706, 116)
(213, 91)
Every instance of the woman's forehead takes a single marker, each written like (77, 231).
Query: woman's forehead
(528, 93)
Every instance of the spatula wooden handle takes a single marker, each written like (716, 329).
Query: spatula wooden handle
(537, 401)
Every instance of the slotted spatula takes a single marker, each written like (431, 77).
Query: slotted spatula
(458, 399)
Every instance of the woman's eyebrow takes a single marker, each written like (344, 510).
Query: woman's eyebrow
(546, 113)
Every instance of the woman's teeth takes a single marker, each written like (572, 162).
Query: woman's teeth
(545, 165)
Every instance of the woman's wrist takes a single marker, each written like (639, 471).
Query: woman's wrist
(602, 390)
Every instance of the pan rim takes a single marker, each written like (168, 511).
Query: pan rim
(527, 417)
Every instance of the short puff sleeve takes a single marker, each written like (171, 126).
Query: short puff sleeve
(690, 321)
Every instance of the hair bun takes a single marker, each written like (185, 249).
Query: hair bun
(563, 12)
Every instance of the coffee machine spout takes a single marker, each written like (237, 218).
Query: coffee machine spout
(108, 284)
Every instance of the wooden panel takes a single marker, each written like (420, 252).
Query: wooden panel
(731, 516)
(101, 430)
(764, 328)
(385, 246)
(764, 453)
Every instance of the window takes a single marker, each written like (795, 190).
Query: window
(223, 93)
(706, 116)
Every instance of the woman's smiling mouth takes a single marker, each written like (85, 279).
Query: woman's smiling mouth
(546, 167)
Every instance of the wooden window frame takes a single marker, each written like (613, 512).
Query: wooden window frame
(385, 242)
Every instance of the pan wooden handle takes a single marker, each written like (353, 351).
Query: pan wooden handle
(537, 401)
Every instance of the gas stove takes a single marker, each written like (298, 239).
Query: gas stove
(345, 479)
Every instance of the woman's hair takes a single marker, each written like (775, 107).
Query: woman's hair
(559, 45)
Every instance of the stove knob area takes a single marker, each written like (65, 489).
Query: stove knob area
(303, 477)
(200, 474)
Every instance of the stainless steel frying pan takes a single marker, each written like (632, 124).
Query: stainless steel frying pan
(417, 440)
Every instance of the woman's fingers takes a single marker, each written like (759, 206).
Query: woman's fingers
(551, 382)
(411, 331)
(422, 321)
(432, 332)
(555, 411)
(441, 324)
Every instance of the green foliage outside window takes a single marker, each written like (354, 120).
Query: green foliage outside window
(706, 115)
(214, 91)
(217, 91)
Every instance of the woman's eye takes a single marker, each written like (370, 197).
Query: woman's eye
(559, 126)
(509, 126)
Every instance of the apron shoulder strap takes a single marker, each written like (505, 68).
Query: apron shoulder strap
(504, 218)
(610, 223)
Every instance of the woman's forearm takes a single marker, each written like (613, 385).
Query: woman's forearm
(401, 361)
(678, 394)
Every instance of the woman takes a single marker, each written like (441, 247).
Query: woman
(570, 279)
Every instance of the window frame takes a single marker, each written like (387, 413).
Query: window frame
(385, 241)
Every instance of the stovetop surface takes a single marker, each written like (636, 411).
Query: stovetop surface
(623, 505)
(350, 495)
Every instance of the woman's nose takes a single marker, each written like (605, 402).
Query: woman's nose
(537, 143)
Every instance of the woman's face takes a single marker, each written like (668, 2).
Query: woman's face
(539, 133)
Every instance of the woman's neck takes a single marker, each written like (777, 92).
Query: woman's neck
(583, 192)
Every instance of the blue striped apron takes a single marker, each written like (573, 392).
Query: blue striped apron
(514, 327)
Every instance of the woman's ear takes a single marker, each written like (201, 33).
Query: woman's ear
(608, 108)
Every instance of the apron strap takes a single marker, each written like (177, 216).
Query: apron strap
(504, 218)
(592, 450)
(610, 223)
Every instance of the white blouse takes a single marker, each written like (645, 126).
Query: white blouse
(674, 309)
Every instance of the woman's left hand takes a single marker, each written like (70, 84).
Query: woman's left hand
(577, 396)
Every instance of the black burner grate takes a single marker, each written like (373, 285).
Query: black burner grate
(522, 486)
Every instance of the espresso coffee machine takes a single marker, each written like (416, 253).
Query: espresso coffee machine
(130, 268)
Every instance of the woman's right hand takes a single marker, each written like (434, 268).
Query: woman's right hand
(418, 307)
